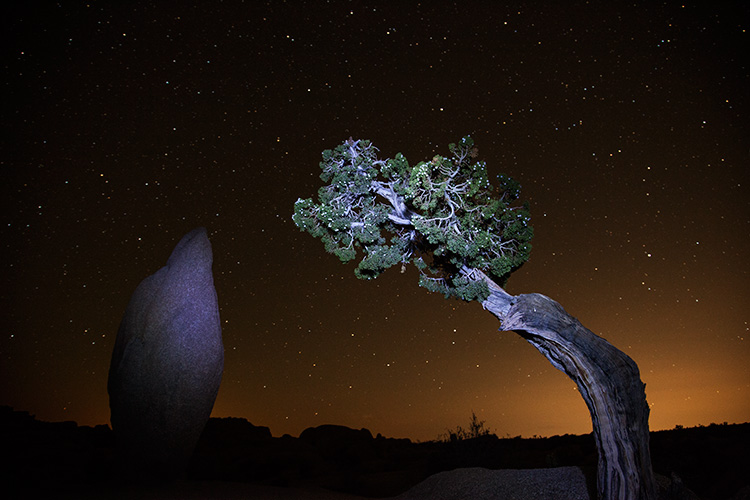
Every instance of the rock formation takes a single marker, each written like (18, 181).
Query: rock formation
(167, 364)
(561, 483)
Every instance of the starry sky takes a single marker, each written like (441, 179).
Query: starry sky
(127, 124)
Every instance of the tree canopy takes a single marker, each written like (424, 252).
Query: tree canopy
(443, 215)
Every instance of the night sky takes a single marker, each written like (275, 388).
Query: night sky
(127, 124)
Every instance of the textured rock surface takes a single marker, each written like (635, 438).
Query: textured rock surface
(167, 363)
(562, 483)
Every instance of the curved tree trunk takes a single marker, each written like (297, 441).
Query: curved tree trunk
(607, 378)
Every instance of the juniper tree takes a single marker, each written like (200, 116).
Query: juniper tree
(466, 235)
(442, 215)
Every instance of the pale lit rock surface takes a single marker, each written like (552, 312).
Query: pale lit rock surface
(561, 483)
(167, 363)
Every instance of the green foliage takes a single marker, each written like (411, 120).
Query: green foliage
(443, 215)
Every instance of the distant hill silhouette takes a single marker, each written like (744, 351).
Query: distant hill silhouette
(712, 461)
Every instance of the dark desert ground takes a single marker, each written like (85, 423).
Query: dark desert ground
(235, 459)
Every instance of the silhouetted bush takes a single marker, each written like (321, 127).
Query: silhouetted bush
(476, 429)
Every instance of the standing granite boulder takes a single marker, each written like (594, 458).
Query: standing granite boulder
(167, 364)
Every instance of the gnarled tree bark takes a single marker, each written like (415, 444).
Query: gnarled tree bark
(607, 378)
